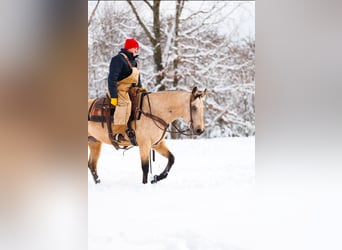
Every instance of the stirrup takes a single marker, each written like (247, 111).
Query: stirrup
(118, 137)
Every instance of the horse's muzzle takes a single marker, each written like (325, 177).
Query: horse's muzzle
(199, 131)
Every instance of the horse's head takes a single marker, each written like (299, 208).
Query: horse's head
(197, 111)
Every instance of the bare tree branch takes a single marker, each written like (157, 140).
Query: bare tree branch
(149, 35)
(181, 7)
(149, 5)
(198, 13)
(93, 13)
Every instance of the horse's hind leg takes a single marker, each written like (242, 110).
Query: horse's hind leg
(162, 149)
(95, 149)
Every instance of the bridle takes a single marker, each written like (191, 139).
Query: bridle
(192, 98)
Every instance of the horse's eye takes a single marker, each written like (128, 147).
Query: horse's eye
(193, 108)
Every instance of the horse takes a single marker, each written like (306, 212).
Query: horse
(158, 110)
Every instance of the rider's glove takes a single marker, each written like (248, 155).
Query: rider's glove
(114, 101)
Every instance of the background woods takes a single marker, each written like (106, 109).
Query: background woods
(183, 43)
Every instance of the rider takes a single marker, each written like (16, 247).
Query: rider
(123, 74)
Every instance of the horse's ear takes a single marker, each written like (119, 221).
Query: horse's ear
(204, 92)
(194, 91)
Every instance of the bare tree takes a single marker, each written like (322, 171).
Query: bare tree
(179, 8)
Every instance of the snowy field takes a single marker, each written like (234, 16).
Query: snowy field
(203, 204)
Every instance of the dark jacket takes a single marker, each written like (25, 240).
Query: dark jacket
(118, 70)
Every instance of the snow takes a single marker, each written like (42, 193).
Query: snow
(204, 203)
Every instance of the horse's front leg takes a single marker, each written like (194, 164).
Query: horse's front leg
(162, 149)
(144, 156)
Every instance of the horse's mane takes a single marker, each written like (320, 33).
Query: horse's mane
(169, 91)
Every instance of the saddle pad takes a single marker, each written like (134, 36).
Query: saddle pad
(100, 110)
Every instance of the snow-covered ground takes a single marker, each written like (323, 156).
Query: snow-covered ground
(204, 203)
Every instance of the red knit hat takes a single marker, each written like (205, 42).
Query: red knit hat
(131, 43)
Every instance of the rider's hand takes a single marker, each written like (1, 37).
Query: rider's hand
(114, 101)
(143, 89)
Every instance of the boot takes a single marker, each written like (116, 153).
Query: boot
(131, 135)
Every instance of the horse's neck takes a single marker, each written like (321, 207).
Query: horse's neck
(170, 105)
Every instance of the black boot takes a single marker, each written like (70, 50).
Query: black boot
(131, 135)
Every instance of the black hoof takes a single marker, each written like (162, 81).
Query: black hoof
(97, 181)
(155, 179)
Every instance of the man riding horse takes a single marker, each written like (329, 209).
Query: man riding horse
(157, 110)
(123, 74)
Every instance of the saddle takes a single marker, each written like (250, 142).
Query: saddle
(102, 111)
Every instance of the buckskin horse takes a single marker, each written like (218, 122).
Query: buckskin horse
(158, 110)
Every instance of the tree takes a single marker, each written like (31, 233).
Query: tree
(179, 8)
